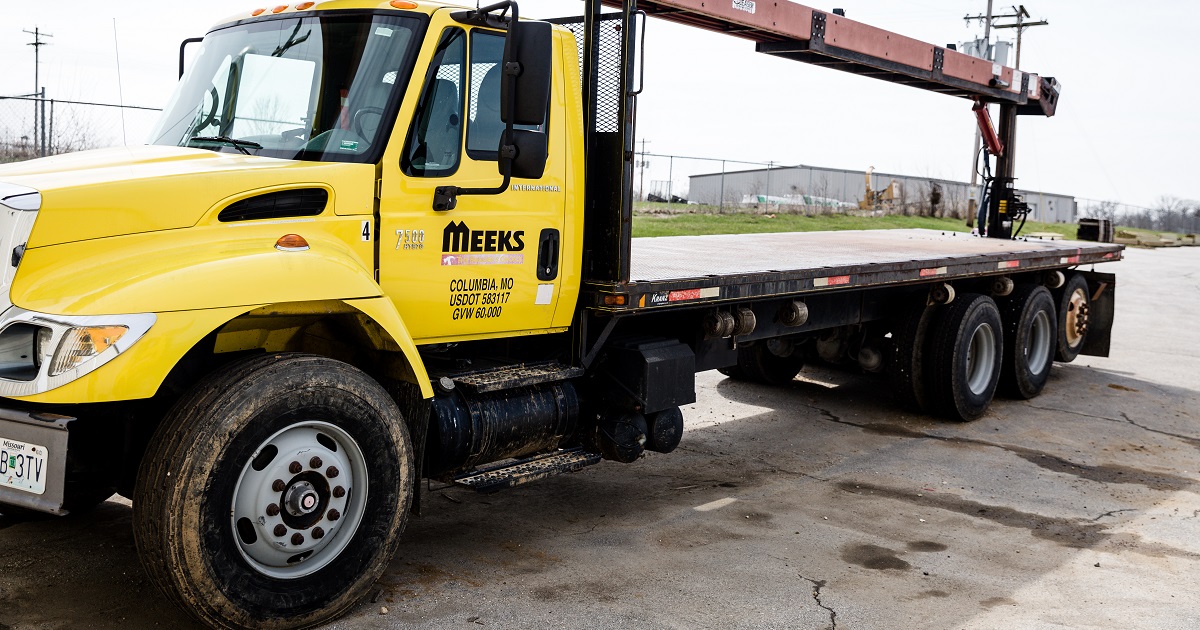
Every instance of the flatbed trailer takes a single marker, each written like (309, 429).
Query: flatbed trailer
(375, 242)
(692, 271)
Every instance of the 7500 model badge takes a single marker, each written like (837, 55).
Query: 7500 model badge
(410, 239)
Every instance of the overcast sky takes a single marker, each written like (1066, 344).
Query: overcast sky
(1126, 128)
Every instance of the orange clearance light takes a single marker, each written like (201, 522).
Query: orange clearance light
(614, 300)
(304, 6)
(291, 243)
(404, 4)
(279, 8)
(257, 12)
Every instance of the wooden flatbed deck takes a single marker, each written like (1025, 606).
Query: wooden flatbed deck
(689, 270)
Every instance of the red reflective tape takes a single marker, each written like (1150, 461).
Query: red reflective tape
(689, 294)
(1070, 260)
(1009, 264)
(831, 281)
(936, 271)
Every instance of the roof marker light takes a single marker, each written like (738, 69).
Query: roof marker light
(257, 12)
(280, 8)
(304, 6)
(404, 4)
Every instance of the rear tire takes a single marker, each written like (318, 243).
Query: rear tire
(218, 453)
(1073, 304)
(757, 364)
(966, 357)
(906, 367)
(1030, 334)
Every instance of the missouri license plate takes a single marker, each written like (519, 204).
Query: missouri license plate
(23, 466)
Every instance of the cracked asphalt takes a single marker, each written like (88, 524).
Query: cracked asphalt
(815, 505)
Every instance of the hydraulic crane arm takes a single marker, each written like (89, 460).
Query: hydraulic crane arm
(794, 31)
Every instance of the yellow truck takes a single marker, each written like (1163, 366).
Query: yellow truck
(373, 242)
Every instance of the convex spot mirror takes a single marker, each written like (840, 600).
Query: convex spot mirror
(530, 160)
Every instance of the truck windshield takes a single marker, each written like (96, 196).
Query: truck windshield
(306, 87)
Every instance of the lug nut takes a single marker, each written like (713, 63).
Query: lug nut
(339, 492)
(280, 530)
(295, 468)
(333, 515)
(273, 510)
(315, 462)
(332, 472)
(318, 533)
(297, 538)
(278, 485)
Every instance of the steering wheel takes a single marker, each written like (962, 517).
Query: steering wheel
(211, 116)
(357, 122)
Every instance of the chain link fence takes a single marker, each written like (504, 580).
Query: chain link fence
(33, 127)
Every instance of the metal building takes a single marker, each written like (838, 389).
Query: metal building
(791, 184)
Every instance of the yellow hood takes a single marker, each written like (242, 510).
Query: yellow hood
(130, 190)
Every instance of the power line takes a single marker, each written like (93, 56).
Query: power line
(37, 44)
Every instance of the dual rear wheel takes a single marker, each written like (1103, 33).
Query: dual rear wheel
(951, 359)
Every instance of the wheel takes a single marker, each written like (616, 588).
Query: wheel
(1029, 340)
(965, 358)
(274, 493)
(757, 363)
(1073, 303)
(906, 362)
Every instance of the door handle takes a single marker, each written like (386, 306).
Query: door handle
(547, 260)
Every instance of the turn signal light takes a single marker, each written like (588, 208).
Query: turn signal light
(291, 243)
(81, 344)
(404, 4)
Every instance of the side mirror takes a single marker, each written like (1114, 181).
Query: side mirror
(530, 159)
(529, 47)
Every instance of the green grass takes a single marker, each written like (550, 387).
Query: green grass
(739, 223)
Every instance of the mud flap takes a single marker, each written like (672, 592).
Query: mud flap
(1102, 309)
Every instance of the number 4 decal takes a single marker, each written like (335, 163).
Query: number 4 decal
(366, 230)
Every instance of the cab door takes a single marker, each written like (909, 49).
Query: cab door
(490, 266)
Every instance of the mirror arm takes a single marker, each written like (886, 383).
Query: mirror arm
(182, 48)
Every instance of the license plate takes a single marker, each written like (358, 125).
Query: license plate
(23, 466)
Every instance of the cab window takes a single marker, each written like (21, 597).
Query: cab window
(435, 138)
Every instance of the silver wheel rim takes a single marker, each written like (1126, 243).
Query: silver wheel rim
(1037, 351)
(299, 500)
(981, 358)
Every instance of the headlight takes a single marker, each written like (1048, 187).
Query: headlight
(81, 344)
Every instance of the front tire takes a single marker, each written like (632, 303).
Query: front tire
(230, 495)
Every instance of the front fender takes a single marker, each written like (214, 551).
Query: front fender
(204, 267)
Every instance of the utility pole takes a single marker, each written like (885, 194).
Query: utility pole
(37, 44)
(642, 164)
(1021, 15)
(972, 202)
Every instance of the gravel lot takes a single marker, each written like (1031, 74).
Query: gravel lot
(809, 506)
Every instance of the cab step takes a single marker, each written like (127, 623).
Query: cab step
(513, 376)
(513, 473)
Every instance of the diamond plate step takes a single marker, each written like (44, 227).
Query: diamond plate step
(510, 377)
(511, 474)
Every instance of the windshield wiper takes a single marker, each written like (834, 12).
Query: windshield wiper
(240, 145)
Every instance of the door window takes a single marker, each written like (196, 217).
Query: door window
(435, 139)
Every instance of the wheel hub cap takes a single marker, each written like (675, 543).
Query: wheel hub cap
(299, 499)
